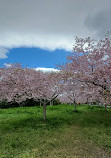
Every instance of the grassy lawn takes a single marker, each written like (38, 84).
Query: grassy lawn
(65, 134)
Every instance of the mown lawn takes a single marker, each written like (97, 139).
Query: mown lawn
(65, 134)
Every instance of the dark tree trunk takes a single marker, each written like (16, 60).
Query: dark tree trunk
(87, 101)
(44, 111)
(74, 106)
(105, 107)
(98, 103)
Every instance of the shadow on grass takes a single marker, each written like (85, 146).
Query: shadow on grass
(58, 119)
(52, 123)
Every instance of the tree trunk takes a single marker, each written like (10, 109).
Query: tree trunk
(98, 102)
(87, 101)
(44, 111)
(51, 102)
(74, 106)
(105, 107)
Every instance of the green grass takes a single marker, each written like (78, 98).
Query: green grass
(65, 134)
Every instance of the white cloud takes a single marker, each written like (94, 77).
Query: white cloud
(46, 69)
(7, 65)
(49, 42)
(51, 24)
(3, 53)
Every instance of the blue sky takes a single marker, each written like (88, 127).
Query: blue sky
(35, 57)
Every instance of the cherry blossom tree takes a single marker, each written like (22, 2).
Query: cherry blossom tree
(90, 64)
(72, 91)
(51, 89)
(18, 84)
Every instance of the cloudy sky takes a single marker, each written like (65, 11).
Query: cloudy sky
(40, 33)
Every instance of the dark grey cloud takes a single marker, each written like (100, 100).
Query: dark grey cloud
(99, 22)
(50, 24)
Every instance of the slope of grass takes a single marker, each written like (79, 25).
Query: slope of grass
(65, 134)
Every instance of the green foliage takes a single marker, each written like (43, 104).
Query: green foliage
(56, 102)
(28, 102)
(23, 134)
(4, 104)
